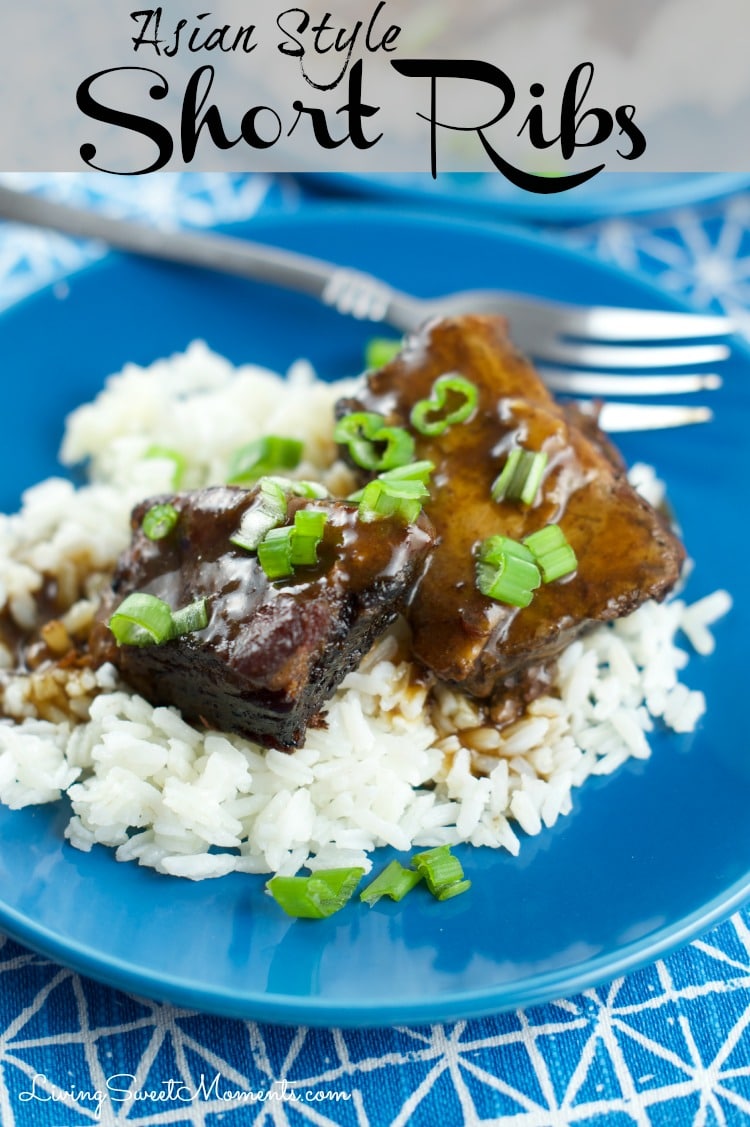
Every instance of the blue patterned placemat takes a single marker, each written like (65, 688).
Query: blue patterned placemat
(666, 1046)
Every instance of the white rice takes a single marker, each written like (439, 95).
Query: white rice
(392, 766)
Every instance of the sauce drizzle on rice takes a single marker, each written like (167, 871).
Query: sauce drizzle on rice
(398, 762)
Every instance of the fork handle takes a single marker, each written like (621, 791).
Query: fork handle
(334, 285)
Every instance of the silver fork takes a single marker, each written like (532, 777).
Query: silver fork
(572, 345)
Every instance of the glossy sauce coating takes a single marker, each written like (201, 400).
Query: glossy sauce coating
(625, 551)
(272, 651)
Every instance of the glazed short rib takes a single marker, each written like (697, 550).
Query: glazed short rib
(625, 549)
(273, 652)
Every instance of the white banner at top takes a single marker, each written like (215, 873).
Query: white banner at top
(548, 93)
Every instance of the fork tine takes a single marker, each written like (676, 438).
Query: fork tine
(626, 356)
(605, 323)
(622, 417)
(605, 384)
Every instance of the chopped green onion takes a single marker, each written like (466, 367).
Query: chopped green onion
(406, 488)
(267, 511)
(141, 620)
(553, 554)
(339, 883)
(450, 890)
(189, 618)
(283, 549)
(306, 536)
(315, 897)
(145, 620)
(380, 351)
(312, 489)
(506, 571)
(179, 461)
(451, 384)
(494, 548)
(521, 476)
(442, 872)
(381, 499)
(159, 521)
(394, 881)
(293, 895)
(275, 553)
(412, 471)
(262, 456)
(512, 581)
(365, 432)
(309, 522)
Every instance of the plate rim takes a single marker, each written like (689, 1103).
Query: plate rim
(450, 1005)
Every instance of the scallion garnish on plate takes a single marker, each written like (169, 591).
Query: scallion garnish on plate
(507, 571)
(190, 618)
(178, 460)
(412, 471)
(373, 444)
(267, 512)
(159, 521)
(521, 476)
(398, 492)
(306, 536)
(552, 553)
(317, 896)
(275, 553)
(394, 881)
(263, 456)
(283, 549)
(379, 351)
(325, 891)
(312, 489)
(382, 498)
(442, 871)
(145, 620)
(430, 417)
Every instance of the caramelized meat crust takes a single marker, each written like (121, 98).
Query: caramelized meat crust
(626, 552)
(272, 652)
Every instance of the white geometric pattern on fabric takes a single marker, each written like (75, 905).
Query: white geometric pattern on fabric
(701, 255)
(30, 258)
(630, 1050)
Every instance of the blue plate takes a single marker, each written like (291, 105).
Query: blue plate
(488, 195)
(648, 858)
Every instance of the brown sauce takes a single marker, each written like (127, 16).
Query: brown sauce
(625, 551)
